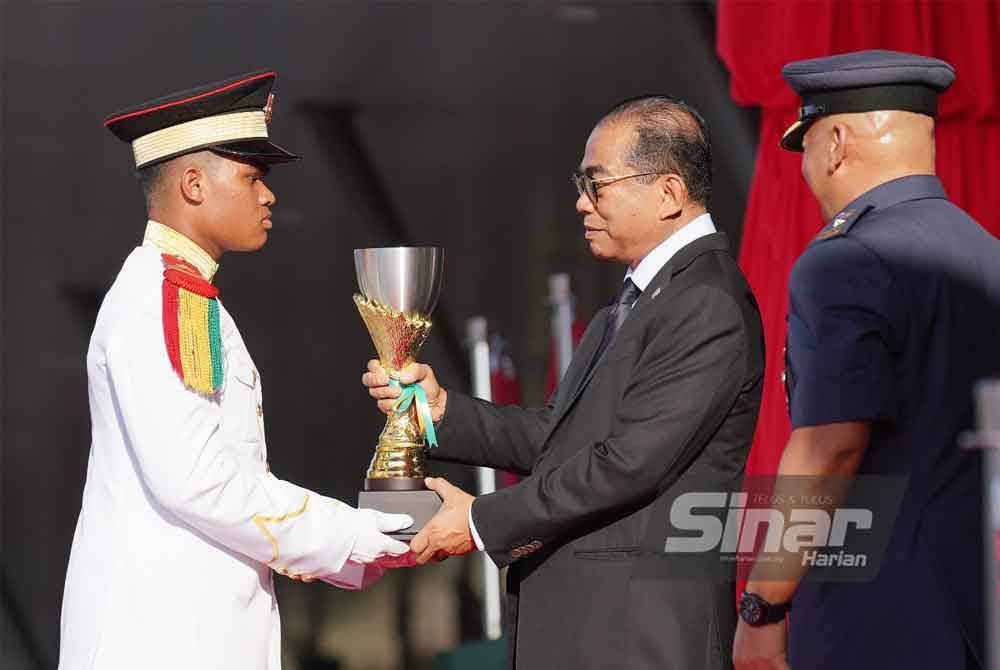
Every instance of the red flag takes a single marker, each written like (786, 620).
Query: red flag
(505, 389)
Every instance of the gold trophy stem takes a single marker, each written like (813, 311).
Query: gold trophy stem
(398, 463)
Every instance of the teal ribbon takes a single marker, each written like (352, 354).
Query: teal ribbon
(413, 393)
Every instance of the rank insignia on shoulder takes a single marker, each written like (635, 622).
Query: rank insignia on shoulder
(191, 326)
(841, 223)
(828, 232)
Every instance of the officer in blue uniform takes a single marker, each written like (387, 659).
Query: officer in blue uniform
(894, 313)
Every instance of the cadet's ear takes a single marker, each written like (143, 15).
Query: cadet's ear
(192, 184)
(836, 150)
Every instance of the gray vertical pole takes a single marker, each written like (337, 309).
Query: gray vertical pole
(988, 410)
(479, 351)
(561, 300)
(988, 439)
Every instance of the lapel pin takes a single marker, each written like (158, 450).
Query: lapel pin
(655, 293)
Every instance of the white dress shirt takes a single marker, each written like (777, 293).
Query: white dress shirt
(643, 273)
(654, 261)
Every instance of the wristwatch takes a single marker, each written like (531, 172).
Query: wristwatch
(758, 612)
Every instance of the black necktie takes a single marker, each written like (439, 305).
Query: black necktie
(621, 305)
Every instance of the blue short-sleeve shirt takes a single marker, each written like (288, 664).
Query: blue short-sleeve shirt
(844, 329)
(894, 315)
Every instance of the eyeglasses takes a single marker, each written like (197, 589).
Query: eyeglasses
(586, 184)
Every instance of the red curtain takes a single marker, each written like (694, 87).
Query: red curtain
(754, 40)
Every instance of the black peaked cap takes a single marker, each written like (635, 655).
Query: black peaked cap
(157, 132)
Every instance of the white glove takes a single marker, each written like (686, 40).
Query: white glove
(370, 543)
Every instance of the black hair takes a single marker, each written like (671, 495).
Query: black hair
(149, 179)
(670, 137)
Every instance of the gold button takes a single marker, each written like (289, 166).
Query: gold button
(260, 410)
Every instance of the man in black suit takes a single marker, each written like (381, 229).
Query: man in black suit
(664, 390)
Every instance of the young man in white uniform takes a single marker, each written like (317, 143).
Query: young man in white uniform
(182, 524)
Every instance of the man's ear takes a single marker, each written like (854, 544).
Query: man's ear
(192, 184)
(836, 150)
(675, 195)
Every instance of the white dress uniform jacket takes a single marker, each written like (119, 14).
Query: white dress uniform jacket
(182, 522)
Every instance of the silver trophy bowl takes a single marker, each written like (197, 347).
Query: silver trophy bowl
(405, 279)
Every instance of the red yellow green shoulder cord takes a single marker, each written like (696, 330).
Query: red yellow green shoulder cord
(191, 326)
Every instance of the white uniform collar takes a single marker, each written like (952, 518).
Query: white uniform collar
(169, 241)
(658, 257)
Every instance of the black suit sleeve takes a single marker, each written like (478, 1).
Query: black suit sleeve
(476, 432)
(689, 374)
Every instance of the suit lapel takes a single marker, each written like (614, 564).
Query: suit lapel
(654, 297)
(638, 314)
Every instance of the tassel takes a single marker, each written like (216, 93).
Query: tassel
(191, 326)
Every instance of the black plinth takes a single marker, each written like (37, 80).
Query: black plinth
(395, 496)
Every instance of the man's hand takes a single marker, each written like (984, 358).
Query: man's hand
(448, 533)
(761, 647)
(377, 381)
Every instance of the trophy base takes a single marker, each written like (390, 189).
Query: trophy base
(395, 484)
(419, 504)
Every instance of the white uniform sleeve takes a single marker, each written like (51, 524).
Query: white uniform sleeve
(214, 486)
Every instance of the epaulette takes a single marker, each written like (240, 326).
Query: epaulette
(191, 326)
(842, 223)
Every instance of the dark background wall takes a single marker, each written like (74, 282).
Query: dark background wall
(421, 122)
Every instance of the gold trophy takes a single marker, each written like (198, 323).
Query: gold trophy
(399, 289)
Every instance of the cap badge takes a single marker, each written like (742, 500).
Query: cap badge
(268, 108)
